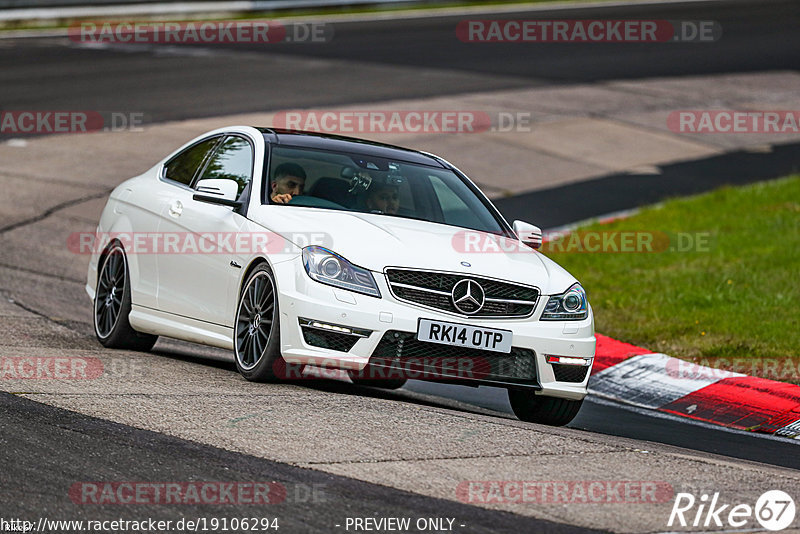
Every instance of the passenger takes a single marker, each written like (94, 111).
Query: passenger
(288, 180)
(384, 198)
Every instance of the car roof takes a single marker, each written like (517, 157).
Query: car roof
(340, 143)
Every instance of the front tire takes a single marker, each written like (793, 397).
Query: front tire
(112, 305)
(543, 410)
(257, 328)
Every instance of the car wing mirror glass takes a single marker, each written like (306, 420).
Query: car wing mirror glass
(218, 191)
(215, 187)
(529, 234)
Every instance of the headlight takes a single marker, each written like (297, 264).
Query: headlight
(329, 268)
(569, 306)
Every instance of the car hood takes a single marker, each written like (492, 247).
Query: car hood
(379, 241)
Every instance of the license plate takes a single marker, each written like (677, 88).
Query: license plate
(462, 335)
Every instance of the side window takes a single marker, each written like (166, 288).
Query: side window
(183, 166)
(233, 160)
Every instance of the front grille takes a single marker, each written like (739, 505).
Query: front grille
(433, 289)
(570, 373)
(328, 340)
(412, 358)
(434, 300)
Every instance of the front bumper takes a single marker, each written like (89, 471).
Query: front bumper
(379, 320)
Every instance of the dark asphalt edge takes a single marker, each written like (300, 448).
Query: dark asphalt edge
(724, 442)
(548, 208)
(40, 417)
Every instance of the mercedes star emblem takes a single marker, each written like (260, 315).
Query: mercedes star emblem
(468, 296)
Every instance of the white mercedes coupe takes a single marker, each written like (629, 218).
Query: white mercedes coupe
(298, 249)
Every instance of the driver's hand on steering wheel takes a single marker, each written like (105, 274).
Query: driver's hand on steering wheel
(282, 198)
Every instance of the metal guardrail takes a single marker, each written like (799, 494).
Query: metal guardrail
(257, 5)
(35, 12)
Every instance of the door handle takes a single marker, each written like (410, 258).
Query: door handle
(176, 208)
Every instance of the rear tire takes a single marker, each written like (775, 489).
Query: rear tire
(112, 305)
(551, 411)
(257, 328)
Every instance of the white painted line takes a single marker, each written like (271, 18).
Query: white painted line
(790, 431)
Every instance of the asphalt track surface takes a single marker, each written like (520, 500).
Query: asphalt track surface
(48, 463)
(615, 420)
(371, 62)
(381, 60)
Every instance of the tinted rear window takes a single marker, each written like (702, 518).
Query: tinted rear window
(183, 166)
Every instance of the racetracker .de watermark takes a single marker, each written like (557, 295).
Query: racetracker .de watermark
(199, 33)
(429, 367)
(564, 491)
(209, 492)
(721, 121)
(33, 122)
(50, 368)
(385, 121)
(587, 31)
(244, 243)
(587, 241)
(785, 369)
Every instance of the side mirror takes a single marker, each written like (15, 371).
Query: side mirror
(529, 234)
(218, 187)
(218, 191)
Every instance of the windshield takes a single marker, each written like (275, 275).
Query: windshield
(366, 184)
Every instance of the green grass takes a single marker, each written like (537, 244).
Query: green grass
(740, 298)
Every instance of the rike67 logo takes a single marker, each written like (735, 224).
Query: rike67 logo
(774, 510)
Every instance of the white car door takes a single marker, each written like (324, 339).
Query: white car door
(175, 175)
(197, 275)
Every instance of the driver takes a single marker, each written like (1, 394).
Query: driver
(288, 180)
(384, 198)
